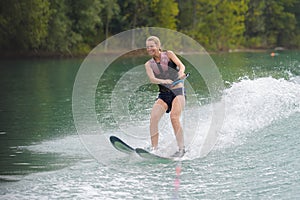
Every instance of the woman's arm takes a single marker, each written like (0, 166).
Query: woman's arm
(178, 62)
(153, 79)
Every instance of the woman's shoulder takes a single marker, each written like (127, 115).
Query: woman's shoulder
(169, 52)
(149, 61)
(171, 55)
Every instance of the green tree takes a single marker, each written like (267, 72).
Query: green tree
(279, 22)
(164, 13)
(59, 28)
(270, 23)
(255, 24)
(133, 14)
(295, 41)
(85, 18)
(111, 9)
(187, 17)
(217, 24)
(23, 24)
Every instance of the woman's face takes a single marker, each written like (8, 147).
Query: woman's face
(152, 48)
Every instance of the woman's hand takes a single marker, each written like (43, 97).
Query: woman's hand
(166, 81)
(181, 75)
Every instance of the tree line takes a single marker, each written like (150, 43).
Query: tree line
(70, 27)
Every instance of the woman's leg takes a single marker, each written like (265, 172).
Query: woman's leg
(158, 109)
(177, 108)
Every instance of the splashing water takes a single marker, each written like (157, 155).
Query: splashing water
(254, 104)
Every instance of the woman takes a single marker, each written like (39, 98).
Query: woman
(163, 69)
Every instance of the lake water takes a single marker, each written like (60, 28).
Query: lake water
(44, 156)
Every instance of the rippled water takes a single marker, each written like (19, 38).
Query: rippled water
(256, 155)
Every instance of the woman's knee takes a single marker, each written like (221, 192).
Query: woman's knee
(175, 117)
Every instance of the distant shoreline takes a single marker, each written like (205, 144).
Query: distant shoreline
(53, 55)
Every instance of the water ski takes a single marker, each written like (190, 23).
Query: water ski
(148, 155)
(125, 148)
(120, 145)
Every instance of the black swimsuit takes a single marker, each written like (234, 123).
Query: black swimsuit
(169, 96)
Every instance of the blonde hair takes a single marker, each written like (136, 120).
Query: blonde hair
(156, 40)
